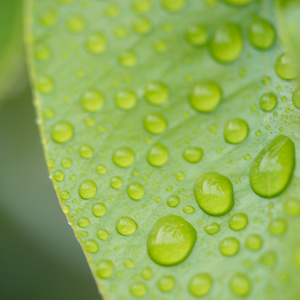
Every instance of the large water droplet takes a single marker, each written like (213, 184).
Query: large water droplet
(273, 167)
(123, 157)
(285, 67)
(158, 155)
(62, 132)
(205, 96)
(200, 285)
(227, 43)
(261, 34)
(126, 226)
(236, 131)
(87, 189)
(214, 194)
(171, 240)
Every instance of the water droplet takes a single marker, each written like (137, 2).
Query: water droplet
(125, 100)
(91, 246)
(296, 98)
(273, 167)
(102, 234)
(87, 189)
(59, 176)
(141, 6)
(156, 93)
(173, 201)
(171, 240)
(75, 23)
(45, 84)
(174, 5)
(129, 263)
(193, 154)
(238, 2)
(135, 191)
(101, 169)
(42, 52)
(240, 284)
(254, 242)
(277, 226)
(158, 155)
(138, 289)
(285, 67)
(127, 58)
(238, 221)
(292, 207)
(142, 25)
(155, 123)
(92, 100)
(66, 163)
(188, 209)
(268, 102)
(214, 194)
(105, 269)
(126, 226)
(147, 273)
(212, 229)
(261, 34)
(269, 258)
(116, 182)
(200, 285)
(48, 17)
(86, 151)
(83, 222)
(227, 43)
(96, 43)
(166, 283)
(205, 96)
(236, 131)
(99, 209)
(62, 132)
(196, 35)
(123, 157)
(229, 246)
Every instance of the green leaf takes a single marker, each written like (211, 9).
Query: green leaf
(11, 50)
(171, 133)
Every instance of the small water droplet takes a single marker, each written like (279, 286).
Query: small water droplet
(240, 284)
(200, 285)
(171, 240)
(87, 189)
(188, 209)
(173, 201)
(75, 23)
(59, 176)
(138, 289)
(236, 131)
(129, 263)
(269, 258)
(125, 100)
(142, 25)
(116, 182)
(83, 222)
(91, 246)
(86, 151)
(277, 226)
(96, 43)
(285, 67)
(158, 155)
(42, 52)
(205, 96)
(254, 242)
(99, 209)
(296, 98)
(147, 273)
(135, 191)
(127, 58)
(193, 154)
(212, 229)
(214, 194)
(45, 84)
(101, 169)
(227, 43)
(141, 6)
(123, 157)
(196, 35)
(238, 2)
(268, 102)
(174, 5)
(238, 221)
(155, 123)
(102, 234)
(273, 167)
(105, 269)
(229, 246)
(126, 226)
(62, 132)
(156, 93)
(92, 100)
(166, 283)
(292, 207)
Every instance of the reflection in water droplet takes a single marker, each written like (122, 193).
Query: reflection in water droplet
(173, 201)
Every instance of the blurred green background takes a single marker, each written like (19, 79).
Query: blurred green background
(40, 258)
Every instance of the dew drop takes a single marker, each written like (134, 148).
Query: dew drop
(156, 93)
(227, 43)
(240, 284)
(101, 169)
(158, 155)
(129, 263)
(268, 259)
(214, 194)
(125, 100)
(126, 226)
(261, 34)
(127, 58)
(86, 151)
(205, 96)
(296, 98)
(212, 229)
(91, 246)
(99, 209)
(142, 25)
(45, 84)
(141, 6)
(66, 163)
(102, 234)
(173, 201)
(105, 269)
(273, 167)
(238, 221)
(171, 240)
(62, 132)
(123, 157)
(254, 242)
(87, 189)
(174, 5)
(268, 102)
(96, 43)
(75, 23)
(155, 123)
(166, 283)
(116, 182)
(229, 246)
(277, 226)
(147, 273)
(83, 222)
(196, 35)
(285, 67)
(59, 176)
(138, 289)
(135, 191)
(188, 209)
(92, 100)
(200, 285)
(42, 52)
(236, 131)
(193, 154)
